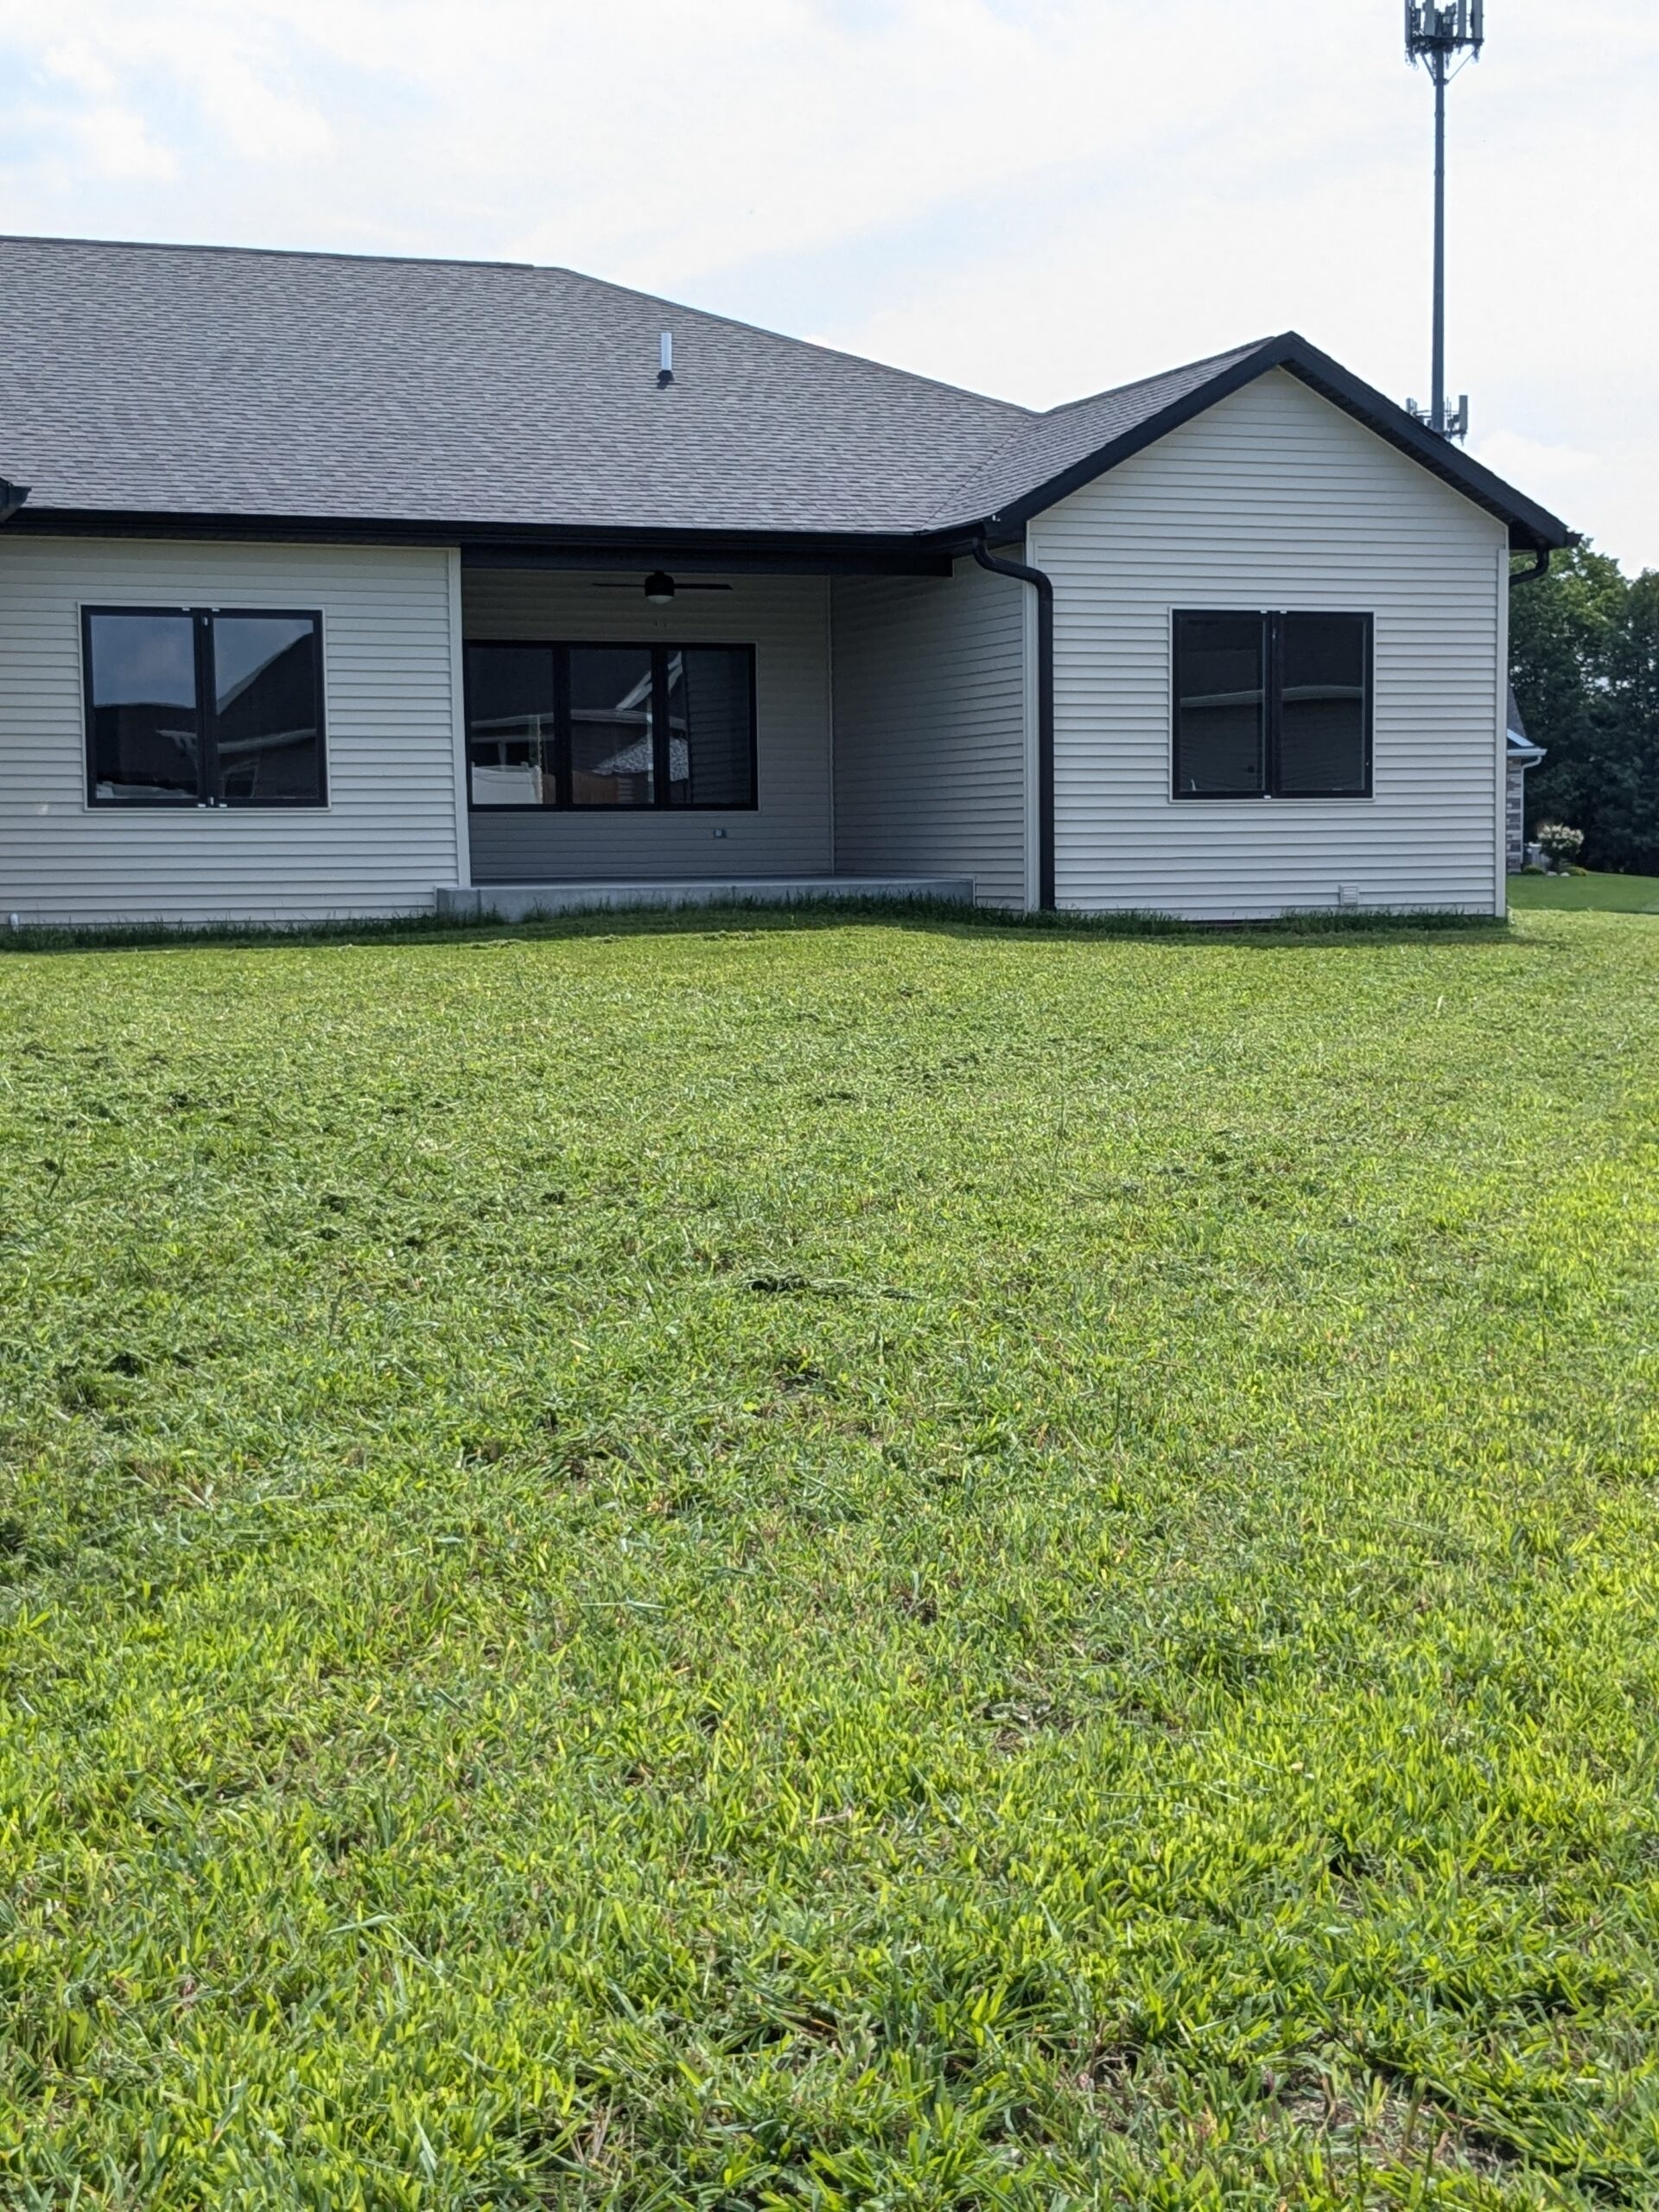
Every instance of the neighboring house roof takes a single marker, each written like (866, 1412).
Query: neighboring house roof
(1522, 752)
(242, 386)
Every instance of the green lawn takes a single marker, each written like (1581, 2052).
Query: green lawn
(789, 1563)
(1608, 895)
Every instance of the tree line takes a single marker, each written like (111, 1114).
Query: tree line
(1584, 656)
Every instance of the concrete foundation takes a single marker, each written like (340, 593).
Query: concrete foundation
(517, 902)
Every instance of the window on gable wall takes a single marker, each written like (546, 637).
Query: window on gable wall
(1272, 705)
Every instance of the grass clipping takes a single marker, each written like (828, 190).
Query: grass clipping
(751, 1566)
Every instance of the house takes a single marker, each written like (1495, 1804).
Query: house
(1521, 753)
(341, 586)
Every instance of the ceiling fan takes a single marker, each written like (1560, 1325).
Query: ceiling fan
(660, 587)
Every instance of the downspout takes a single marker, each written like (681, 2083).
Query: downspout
(1540, 567)
(11, 497)
(1044, 587)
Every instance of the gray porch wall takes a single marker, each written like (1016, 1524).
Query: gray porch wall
(787, 618)
(931, 729)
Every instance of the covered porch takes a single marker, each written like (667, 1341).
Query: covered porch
(739, 726)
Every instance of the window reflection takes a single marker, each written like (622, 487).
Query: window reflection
(145, 717)
(511, 724)
(267, 684)
(612, 736)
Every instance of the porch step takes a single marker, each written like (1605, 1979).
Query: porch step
(519, 902)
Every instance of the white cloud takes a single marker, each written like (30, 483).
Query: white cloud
(1038, 196)
(75, 63)
(115, 143)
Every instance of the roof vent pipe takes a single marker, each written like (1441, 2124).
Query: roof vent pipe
(665, 360)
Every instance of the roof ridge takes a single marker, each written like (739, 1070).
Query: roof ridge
(783, 338)
(267, 252)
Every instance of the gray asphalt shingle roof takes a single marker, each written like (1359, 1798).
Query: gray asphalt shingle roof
(168, 381)
(234, 382)
(1043, 447)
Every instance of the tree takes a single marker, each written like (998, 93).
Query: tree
(1584, 654)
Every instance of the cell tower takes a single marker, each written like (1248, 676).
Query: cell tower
(1445, 34)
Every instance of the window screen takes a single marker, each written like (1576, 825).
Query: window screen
(1220, 705)
(1325, 705)
(1273, 705)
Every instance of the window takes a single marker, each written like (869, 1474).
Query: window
(613, 731)
(1273, 706)
(610, 725)
(1221, 720)
(709, 748)
(187, 707)
(511, 722)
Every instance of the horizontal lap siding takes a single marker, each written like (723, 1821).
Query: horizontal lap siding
(387, 838)
(931, 729)
(1275, 499)
(786, 619)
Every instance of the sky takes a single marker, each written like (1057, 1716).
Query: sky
(1034, 198)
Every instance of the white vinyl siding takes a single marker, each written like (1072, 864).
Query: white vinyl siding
(387, 837)
(931, 728)
(786, 619)
(1275, 498)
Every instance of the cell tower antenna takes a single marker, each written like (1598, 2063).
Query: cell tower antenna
(1445, 33)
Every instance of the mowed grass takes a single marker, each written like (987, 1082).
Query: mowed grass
(1589, 892)
(784, 1563)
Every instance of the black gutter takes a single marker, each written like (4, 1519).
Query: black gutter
(508, 544)
(11, 497)
(1540, 567)
(1044, 587)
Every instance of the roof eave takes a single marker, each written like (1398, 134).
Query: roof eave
(523, 544)
(1531, 528)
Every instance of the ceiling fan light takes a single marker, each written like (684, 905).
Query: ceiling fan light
(659, 588)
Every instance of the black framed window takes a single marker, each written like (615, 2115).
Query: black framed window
(203, 707)
(1272, 705)
(512, 725)
(613, 725)
(1221, 720)
(588, 727)
(1323, 744)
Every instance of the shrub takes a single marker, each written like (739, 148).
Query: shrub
(1562, 842)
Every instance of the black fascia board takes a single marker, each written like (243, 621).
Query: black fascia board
(1531, 528)
(710, 552)
(494, 544)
